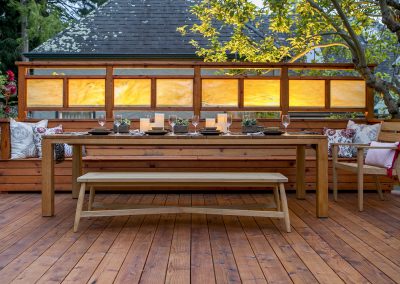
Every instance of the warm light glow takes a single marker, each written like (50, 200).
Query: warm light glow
(219, 92)
(347, 93)
(175, 92)
(262, 93)
(86, 92)
(132, 92)
(307, 93)
(44, 92)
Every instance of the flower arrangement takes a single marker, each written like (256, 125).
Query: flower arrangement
(8, 95)
(182, 122)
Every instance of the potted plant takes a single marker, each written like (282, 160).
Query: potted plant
(181, 126)
(249, 125)
(124, 127)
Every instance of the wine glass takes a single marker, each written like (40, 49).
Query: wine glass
(117, 122)
(172, 121)
(228, 123)
(101, 120)
(285, 122)
(195, 122)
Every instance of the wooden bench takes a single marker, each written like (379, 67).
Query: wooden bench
(187, 180)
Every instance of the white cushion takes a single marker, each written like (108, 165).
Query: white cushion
(22, 145)
(381, 157)
(365, 133)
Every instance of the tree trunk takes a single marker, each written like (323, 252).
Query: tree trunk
(24, 32)
(381, 87)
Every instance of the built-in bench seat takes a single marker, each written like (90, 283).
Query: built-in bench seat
(188, 179)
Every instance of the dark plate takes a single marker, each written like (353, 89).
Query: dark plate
(96, 132)
(215, 133)
(156, 132)
(279, 132)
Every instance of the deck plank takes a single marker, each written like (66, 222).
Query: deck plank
(350, 246)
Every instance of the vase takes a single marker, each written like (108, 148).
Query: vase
(123, 128)
(181, 129)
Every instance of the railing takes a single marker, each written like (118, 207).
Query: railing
(188, 86)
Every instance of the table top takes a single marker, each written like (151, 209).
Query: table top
(126, 139)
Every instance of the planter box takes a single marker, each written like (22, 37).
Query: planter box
(123, 128)
(252, 129)
(181, 129)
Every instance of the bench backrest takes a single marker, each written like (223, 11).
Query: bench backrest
(390, 131)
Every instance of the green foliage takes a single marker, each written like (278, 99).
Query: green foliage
(347, 115)
(182, 122)
(125, 121)
(249, 121)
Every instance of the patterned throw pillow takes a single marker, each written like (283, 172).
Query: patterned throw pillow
(365, 134)
(38, 132)
(22, 144)
(340, 136)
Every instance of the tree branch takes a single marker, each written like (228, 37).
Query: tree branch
(300, 55)
(388, 17)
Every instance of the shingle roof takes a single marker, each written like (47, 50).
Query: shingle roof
(125, 28)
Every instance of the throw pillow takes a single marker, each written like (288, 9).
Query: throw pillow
(340, 136)
(22, 144)
(39, 132)
(365, 134)
(381, 157)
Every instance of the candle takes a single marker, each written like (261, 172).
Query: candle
(144, 124)
(222, 121)
(210, 122)
(159, 120)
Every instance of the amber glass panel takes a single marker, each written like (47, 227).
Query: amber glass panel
(132, 92)
(307, 93)
(86, 92)
(347, 93)
(262, 93)
(44, 92)
(219, 92)
(175, 92)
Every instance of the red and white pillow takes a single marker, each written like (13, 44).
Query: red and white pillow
(39, 132)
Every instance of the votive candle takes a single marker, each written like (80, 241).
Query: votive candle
(159, 120)
(210, 122)
(144, 124)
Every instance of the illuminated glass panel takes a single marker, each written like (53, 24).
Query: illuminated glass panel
(262, 93)
(86, 92)
(307, 93)
(174, 92)
(219, 92)
(347, 93)
(44, 92)
(132, 92)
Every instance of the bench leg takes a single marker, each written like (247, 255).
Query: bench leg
(79, 206)
(91, 198)
(276, 198)
(285, 207)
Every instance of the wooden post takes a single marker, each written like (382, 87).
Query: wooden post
(109, 99)
(301, 172)
(5, 139)
(76, 168)
(21, 93)
(322, 179)
(197, 91)
(47, 178)
(369, 100)
(284, 90)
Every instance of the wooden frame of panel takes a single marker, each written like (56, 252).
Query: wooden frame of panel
(197, 77)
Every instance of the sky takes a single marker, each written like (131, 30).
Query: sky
(257, 2)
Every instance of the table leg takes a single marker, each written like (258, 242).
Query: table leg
(301, 172)
(47, 178)
(76, 168)
(322, 179)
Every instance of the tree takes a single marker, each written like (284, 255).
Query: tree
(363, 31)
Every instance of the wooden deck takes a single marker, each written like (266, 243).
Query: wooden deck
(349, 246)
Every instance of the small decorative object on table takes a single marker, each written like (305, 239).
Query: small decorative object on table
(249, 125)
(124, 126)
(182, 125)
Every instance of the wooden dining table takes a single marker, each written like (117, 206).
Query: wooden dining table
(300, 141)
